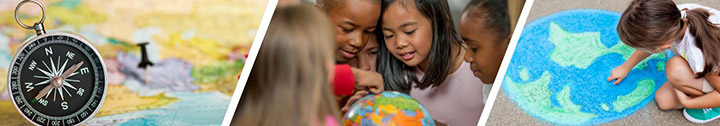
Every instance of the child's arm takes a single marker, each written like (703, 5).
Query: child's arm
(709, 100)
(347, 79)
(368, 80)
(343, 80)
(620, 72)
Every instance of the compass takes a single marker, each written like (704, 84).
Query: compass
(56, 78)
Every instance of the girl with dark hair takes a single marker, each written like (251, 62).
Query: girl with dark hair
(422, 55)
(691, 32)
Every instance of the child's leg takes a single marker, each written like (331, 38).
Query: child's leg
(680, 75)
(666, 99)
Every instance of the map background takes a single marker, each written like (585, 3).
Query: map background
(198, 48)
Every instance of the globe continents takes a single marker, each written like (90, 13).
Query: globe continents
(387, 109)
(558, 72)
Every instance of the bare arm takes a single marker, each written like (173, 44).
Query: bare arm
(620, 72)
(635, 58)
(709, 100)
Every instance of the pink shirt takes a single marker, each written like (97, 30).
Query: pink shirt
(457, 102)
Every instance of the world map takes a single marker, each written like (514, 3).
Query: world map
(198, 49)
(559, 70)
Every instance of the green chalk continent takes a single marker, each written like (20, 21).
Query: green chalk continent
(644, 89)
(524, 74)
(660, 66)
(581, 49)
(536, 96)
(605, 106)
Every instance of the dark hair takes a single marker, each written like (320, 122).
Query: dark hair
(329, 5)
(397, 75)
(649, 23)
(493, 12)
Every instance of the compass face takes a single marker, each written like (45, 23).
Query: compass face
(57, 79)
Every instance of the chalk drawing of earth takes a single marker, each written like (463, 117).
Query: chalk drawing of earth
(559, 69)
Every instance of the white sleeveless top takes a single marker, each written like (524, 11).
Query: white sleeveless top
(686, 47)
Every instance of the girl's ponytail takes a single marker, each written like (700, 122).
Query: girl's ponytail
(707, 38)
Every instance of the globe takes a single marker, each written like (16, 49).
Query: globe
(559, 70)
(388, 108)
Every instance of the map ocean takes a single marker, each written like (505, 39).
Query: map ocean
(559, 70)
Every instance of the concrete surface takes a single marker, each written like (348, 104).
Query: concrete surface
(506, 112)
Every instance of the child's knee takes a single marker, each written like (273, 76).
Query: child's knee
(663, 101)
(664, 97)
(674, 70)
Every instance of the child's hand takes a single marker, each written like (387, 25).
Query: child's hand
(682, 97)
(353, 99)
(618, 74)
(370, 81)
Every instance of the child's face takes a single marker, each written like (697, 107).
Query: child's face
(408, 34)
(354, 23)
(486, 50)
(366, 59)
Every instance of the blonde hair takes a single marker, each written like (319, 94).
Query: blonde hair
(290, 81)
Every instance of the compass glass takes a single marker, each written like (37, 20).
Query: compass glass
(57, 80)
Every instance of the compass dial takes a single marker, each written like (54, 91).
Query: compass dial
(57, 79)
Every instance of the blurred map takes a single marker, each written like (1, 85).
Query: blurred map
(198, 49)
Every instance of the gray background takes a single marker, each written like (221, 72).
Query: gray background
(506, 112)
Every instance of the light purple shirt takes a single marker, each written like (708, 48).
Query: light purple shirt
(457, 102)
